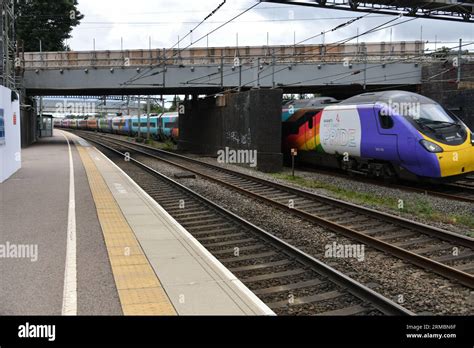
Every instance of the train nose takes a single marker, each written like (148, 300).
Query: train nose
(456, 161)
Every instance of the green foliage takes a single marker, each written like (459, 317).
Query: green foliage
(169, 145)
(50, 21)
(156, 108)
(442, 52)
(419, 207)
(174, 105)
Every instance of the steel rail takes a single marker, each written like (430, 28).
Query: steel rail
(355, 288)
(417, 259)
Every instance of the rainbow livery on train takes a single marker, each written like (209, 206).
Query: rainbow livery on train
(392, 134)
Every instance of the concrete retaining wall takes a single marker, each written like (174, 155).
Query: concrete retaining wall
(242, 121)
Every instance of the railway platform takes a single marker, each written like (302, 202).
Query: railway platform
(79, 237)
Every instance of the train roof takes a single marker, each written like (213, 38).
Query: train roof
(168, 113)
(388, 97)
(306, 103)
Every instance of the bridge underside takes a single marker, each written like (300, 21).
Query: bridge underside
(433, 9)
(339, 91)
(333, 79)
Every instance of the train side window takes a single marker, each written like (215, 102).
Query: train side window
(386, 121)
(310, 123)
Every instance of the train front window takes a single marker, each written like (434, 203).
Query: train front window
(430, 115)
(436, 122)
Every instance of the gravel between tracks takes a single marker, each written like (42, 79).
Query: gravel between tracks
(440, 205)
(417, 290)
(437, 204)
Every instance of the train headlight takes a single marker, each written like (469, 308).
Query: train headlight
(431, 147)
(472, 138)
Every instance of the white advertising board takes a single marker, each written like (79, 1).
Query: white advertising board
(10, 134)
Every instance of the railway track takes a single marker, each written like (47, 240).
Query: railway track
(289, 281)
(462, 190)
(466, 183)
(445, 253)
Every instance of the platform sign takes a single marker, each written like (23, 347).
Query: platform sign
(2, 128)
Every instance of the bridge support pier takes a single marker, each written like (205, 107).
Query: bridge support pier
(455, 96)
(227, 124)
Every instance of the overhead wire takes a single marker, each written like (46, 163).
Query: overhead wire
(356, 72)
(379, 27)
(200, 23)
(333, 75)
(202, 37)
(191, 31)
(337, 44)
(299, 43)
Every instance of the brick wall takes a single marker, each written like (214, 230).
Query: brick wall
(460, 101)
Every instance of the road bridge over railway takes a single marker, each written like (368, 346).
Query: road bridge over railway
(293, 68)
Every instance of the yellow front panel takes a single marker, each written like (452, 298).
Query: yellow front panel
(455, 158)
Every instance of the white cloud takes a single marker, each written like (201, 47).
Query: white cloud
(163, 20)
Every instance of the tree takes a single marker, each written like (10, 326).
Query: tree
(50, 21)
(156, 107)
(175, 103)
(442, 52)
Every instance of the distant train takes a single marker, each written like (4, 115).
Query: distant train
(393, 134)
(163, 126)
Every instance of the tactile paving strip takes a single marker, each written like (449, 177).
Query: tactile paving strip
(139, 288)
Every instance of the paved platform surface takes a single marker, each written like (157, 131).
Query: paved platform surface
(130, 256)
(34, 211)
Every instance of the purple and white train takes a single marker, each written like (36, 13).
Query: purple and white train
(393, 134)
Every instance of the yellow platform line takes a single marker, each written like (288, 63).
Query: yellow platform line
(139, 288)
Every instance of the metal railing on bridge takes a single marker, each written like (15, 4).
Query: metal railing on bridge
(291, 54)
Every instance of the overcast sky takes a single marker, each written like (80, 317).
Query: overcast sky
(164, 20)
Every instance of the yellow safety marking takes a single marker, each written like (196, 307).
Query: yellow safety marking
(139, 288)
(455, 158)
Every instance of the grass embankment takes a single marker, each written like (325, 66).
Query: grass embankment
(420, 207)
